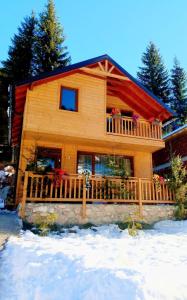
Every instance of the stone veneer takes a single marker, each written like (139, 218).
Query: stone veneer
(97, 213)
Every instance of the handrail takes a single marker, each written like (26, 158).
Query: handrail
(74, 188)
(126, 126)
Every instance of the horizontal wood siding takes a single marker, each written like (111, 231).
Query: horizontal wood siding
(43, 108)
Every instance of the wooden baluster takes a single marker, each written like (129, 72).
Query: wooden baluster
(109, 188)
(122, 126)
(96, 188)
(31, 189)
(148, 130)
(47, 188)
(152, 134)
(79, 188)
(70, 187)
(24, 197)
(156, 193)
(92, 188)
(75, 188)
(145, 186)
(125, 126)
(145, 129)
(150, 190)
(153, 188)
(170, 195)
(118, 125)
(167, 198)
(56, 188)
(36, 188)
(104, 188)
(100, 189)
(61, 185)
(51, 189)
(141, 129)
(84, 198)
(65, 188)
(129, 189)
(140, 196)
(136, 185)
(41, 188)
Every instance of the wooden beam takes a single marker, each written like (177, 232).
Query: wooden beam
(111, 69)
(106, 74)
(129, 100)
(92, 75)
(127, 88)
(101, 66)
(106, 65)
(155, 106)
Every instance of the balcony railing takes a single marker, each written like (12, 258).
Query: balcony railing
(126, 126)
(75, 189)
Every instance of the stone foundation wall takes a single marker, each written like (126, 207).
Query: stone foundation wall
(97, 213)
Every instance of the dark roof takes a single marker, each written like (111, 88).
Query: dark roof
(89, 62)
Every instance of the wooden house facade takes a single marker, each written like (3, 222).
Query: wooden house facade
(76, 119)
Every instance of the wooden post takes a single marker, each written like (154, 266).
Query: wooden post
(22, 213)
(140, 196)
(84, 198)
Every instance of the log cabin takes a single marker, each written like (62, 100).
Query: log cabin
(79, 118)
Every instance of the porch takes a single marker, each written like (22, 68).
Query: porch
(76, 188)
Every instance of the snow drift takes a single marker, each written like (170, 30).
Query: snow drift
(101, 264)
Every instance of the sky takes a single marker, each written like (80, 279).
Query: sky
(119, 28)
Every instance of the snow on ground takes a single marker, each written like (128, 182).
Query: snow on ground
(101, 264)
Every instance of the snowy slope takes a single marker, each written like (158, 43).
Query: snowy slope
(105, 264)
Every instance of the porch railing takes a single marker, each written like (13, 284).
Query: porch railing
(75, 189)
(125, 126)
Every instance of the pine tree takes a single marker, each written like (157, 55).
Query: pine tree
(50, 52)
(19, 64)
(179, 91)
(3, 108)
(153, 75)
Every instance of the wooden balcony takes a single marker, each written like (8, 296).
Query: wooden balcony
(75, 189)
(125, 126)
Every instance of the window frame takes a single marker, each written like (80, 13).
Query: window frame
(76, 98)
(131, 158)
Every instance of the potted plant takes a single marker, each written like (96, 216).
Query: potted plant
(116, 113)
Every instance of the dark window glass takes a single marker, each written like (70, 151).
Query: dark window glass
(69, 99)
(111, 165)
(101, 164)
(48, 158)
(84, 163)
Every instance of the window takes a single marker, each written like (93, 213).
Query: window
(101, 164)
(48, 158)
(69, 99)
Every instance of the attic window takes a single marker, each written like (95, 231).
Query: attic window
(69, 99)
